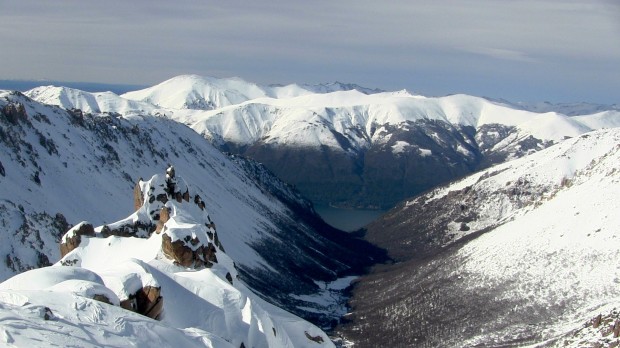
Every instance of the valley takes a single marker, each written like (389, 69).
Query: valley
(476, 222)
(348, 220)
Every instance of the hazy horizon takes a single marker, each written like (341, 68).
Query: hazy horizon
(530, 50)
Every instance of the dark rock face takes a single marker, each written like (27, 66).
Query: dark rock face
(146, 301)
(403, 160)
(186, 254)
(14, 113)
(322, 175)
(138, 197)
(102, 298)
(72, 242)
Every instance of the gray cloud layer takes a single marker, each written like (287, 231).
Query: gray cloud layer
(518, 49)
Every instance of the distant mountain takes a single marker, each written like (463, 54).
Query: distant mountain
(339, 86)
(352, 149)
(62, 166)
(348, 147)
(89, 102)
(207, 93)
(520, 254)
(569, 109)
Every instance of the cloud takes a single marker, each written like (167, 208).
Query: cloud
(391, 44)
(500, 53)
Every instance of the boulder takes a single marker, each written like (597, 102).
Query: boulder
(177, 251)
(138, 198)
(146, 301)
(182, 254)
(73, 237)
(164, 216)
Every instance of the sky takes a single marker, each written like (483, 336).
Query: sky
(520, 50)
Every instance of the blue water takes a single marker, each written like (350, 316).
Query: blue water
(347, 219)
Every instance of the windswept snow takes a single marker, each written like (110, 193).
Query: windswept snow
(59, 168)
(202, 306)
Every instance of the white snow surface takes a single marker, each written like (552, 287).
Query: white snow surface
(78, 321)
(233, 110)
(555, 247)
(201, 307)
(78, 169)
(205, 93)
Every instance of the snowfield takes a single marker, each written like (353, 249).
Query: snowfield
(241, 112)
(332, 142)
(202, 305)
(521, 254)
(62, 167)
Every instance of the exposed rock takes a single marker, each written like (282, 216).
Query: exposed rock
(146, 301)
(164, 216)
(198, 201)
(182, 254)
(137, 229)
(14, 112)
(317, 339)
(47, 314)
(177, 251)
(138, 197)
(72, 238)
(102, 298)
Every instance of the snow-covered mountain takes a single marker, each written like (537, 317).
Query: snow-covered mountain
(69, 98)
(164, 261)
(207, 93)
(350, 147)
(569, 109)
(522, 254)
(59, 167)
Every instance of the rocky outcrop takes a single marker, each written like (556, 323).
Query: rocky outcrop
(138, 198)
(14, 112)
(146, 301)
(164, 216)
(188, 252)
(73, 237)
(190, 241)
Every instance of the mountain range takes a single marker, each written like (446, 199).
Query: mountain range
(163, 202)
(60, 167)
(343, 146)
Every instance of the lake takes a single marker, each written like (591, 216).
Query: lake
(347, 219)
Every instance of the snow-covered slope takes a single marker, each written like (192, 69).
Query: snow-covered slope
(69, 98)
(164, 261)
(522, 253)
(279, 121)
(60, 167)
(364, 132)
(347, 145)
(207, 93)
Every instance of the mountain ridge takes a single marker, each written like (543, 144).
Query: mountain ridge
(64, 166)
(345, 137)
(515, 255)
